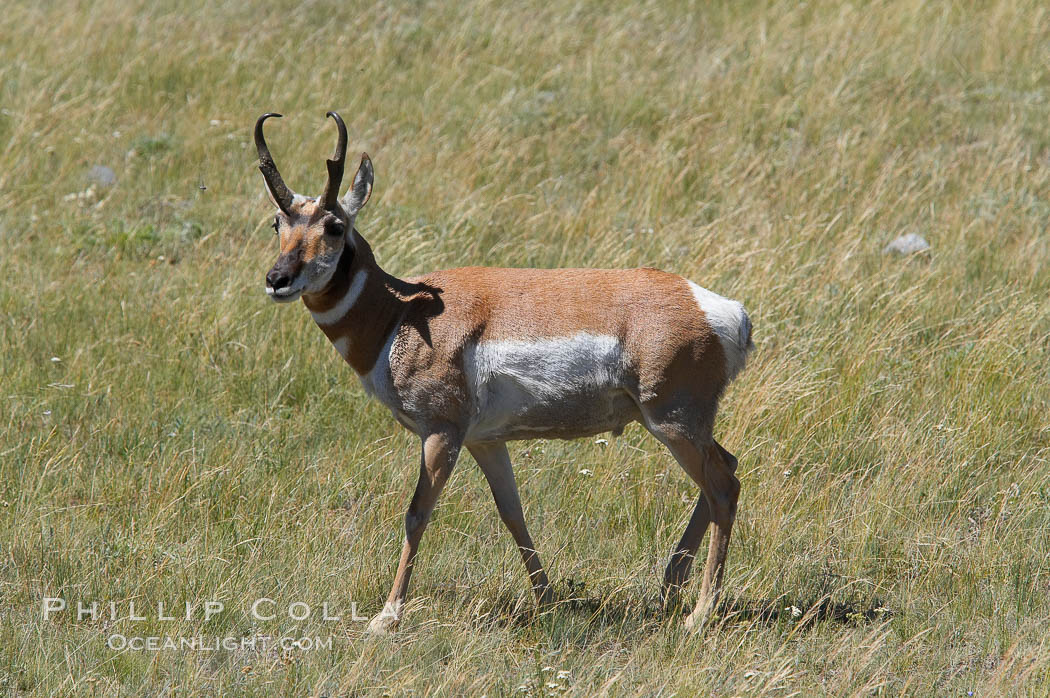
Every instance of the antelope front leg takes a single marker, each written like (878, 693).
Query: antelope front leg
(495, 463)
(440, 450)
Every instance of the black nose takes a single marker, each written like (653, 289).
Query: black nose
(277, 279)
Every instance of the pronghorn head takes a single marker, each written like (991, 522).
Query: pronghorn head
(313, 232)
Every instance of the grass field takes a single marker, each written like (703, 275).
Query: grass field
(169, 435)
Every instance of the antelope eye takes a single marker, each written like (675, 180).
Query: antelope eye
(334, 228)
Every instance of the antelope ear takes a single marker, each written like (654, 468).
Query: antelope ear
(361, 190)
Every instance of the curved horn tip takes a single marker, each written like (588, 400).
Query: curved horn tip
(335, 164)
(279, 191)
(264, 117)
(338, 119)
(260, 140)
(340, 147)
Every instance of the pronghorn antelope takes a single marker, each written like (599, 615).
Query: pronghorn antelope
(475, 357)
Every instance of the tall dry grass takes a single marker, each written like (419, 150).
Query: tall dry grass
(168, 435)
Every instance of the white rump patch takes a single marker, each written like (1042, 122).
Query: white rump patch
(730, 322)
(336, 313)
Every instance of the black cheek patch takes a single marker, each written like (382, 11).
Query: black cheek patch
(346, 259)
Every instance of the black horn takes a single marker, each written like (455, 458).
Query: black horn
(281, 194)
(330, 198)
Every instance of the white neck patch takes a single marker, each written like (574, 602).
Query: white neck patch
(340, 309)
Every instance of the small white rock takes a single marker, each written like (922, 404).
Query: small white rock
(100, 174)
(907, 244)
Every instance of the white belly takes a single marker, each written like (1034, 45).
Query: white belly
(555, 388)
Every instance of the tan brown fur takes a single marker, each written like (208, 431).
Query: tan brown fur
(490, 304)
(458, 357)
